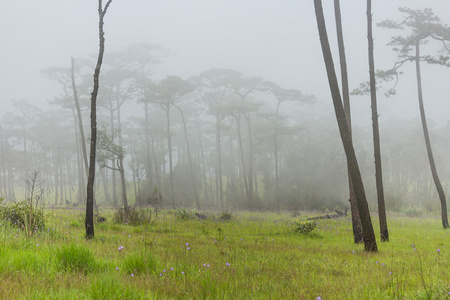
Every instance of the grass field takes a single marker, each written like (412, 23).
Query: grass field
(252, 256)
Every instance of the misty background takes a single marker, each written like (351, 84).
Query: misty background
(276, 40)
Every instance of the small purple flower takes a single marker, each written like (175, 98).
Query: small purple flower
(120, 248)
(227, 264)
(188, 248)
(182, 272)
(164, 271)
(187, 244)
(318, 298)
(171, 269)
(438, 251)
(353, 251)
(117, 268)
(390, 272)
(132, 275)
(414, 249)
(160, 274)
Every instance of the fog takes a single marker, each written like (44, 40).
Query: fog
(276, 40)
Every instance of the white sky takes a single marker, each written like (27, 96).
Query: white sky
(275, 39)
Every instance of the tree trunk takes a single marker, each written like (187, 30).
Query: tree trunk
(384, 234)
(169, 145)
(91, 175)
(437, 182)
(123, 183)
(275, 150)
(80, 121)
(219, 161)
(356, 222)
(188, 148)
(148, 167)
(244, 167)
(250, 160)
(363, 208)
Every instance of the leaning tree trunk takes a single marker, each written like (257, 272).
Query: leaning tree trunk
(356, 222)
(437, 182)
(91, 175)
(384, 234)
(370, 243)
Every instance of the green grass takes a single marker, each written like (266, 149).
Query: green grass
(251, 256)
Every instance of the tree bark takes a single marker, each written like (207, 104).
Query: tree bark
(437, 182)
(363, 208)
(384, 233)
(91, 175)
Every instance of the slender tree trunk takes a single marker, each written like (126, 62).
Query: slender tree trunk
(437, 182)
(356, 222)
(91, 175)
(244, 167)
(56, 177)
(123, 183)
(169, 145)
(80, 121)
(148, 167)
(363, 208)
(188, 148)
(3, 163)
(250, 160)
(384, 234)
(275, 146)
(157, 166)
(219, 161)
(202, 157)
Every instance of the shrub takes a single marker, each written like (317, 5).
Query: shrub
(305, 226)
(22, 214)
(226, 216)
(183, 214)
(75, 258)
(132, 216)
(201, 216)
(414, 212)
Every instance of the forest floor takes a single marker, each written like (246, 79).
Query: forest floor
(254, 255)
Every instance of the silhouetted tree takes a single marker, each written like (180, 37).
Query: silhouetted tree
(384, 233)
(90, 184)
(424, 25)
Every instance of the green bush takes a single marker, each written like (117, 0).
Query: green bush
(132, 216)
(75, 258)
(183, 214)
(305, 226)
(22, 214)
(226, 216)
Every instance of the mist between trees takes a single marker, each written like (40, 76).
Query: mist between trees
(219, 139)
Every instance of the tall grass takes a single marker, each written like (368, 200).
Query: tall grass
(251, 256)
